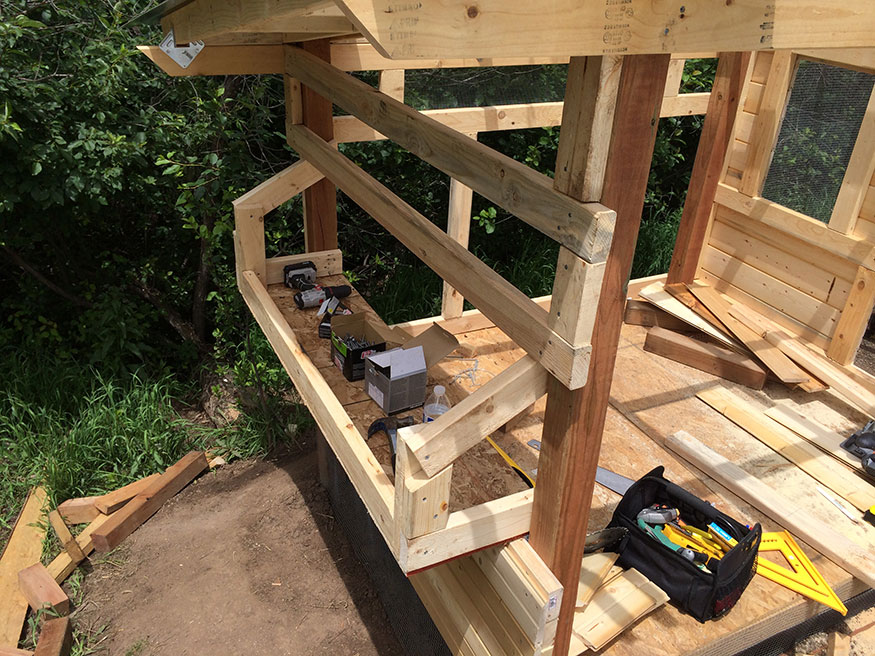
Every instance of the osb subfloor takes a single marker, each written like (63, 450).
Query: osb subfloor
(247, 560)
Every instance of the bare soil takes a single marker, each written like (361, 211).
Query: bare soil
(246, 560)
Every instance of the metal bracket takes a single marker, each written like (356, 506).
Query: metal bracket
(182, 55)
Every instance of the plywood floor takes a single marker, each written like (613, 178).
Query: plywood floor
(650, 398)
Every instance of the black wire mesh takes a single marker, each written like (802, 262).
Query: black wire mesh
(817, 137)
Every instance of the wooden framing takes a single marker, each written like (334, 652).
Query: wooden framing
(503, 599)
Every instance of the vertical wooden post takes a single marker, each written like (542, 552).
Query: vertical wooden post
(574, 420)
(459, 228)
(320, 199)
(732, 73)
(392, 83)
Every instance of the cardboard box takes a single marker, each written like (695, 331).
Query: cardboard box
(397, 379)
(351, 361)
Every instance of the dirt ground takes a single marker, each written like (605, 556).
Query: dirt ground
(246, 560)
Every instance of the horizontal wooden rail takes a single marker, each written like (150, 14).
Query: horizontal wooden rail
(328, 263)
(516, 314)
(281, 187)
(367, 476)
(438, 443)
(586, 229)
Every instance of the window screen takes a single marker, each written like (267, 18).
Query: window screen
(817, 136)
(441, 88)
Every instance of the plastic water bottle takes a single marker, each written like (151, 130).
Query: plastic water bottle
(436, 404)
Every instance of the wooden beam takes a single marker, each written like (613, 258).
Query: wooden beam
(789, 514)
(392, 83)
(125, 521)
(65, 563)
(79, 511)
(732, 74)
(222, 60)
(22, 550)
(112, 501)
(858, 59)
(498, 28)
(768, 123)
(320, 198)
(200, 20)
(281, 187)
(14, 651)
(574, 421)
(328, 263)
(41, 590)
(422, 501)
(858, 174)
(438, 443)
(249, 248)
(855, 318)
(65, 537)
(583, 228)
(55, 638)
(510, 309)
(458, 228)
(364, 471)
(705, 357)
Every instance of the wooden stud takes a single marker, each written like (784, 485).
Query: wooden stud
(838, 644)
(14, 651)
(55, 638)
(320, 199)
(732, 72)
(125, 521)
(584, 228)
(79, 511)
(574, 421)
(768, 123)
(65, 537)
(22, 550)
(41, 590)
(294, 101)
(861, 168)
(458, 228)
(281, 187)
(392, 83)
(64, 564)
(524, 321)
(249, 250)
(855, 318)
(112, 501)
(788, 513)
(656, 294)
(705, 357)
(575, 297)
(804, 455)
(422, 502)
(438, 443)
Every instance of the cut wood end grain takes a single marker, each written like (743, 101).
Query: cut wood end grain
(41, 590)
(79, 511)
(55, 638)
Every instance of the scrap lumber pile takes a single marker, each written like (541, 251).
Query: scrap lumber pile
(26, 583)
(735, 342)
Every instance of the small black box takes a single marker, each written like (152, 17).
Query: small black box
(351, 361)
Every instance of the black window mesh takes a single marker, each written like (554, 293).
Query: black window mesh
(817, 136)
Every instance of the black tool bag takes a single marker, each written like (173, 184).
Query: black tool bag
(705, 596)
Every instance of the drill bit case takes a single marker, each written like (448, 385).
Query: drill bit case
(705, 595)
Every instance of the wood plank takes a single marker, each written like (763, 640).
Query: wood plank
(858, 173)
(495, 28)
(593, 571)
(827, 441)
(574, 421)
(364, 471)
(249, 248)
(392, 83)
(768, 123)
(584, 228)
(642, 313)
(292, 91)
(824, 369)
(55, 638)
(458, 228)
(222, 60)
(422, 502)
(281, 187)
(328, 263)
(14, 651)
(438, 443)
(41, 590)
(838, 644)
(656, 294)
(732, 71)
(789, 514)
(65, 537)
(851, 327)
(705, 357)
(799, 226)
(79, 511)
(858, 59)
(23, 549)
(769, 355)
(320, 198)
(127, 520)
(786, 299)
(471, 529)
(509, 308)
(64, 564)
(112, 501)
(804, 455)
